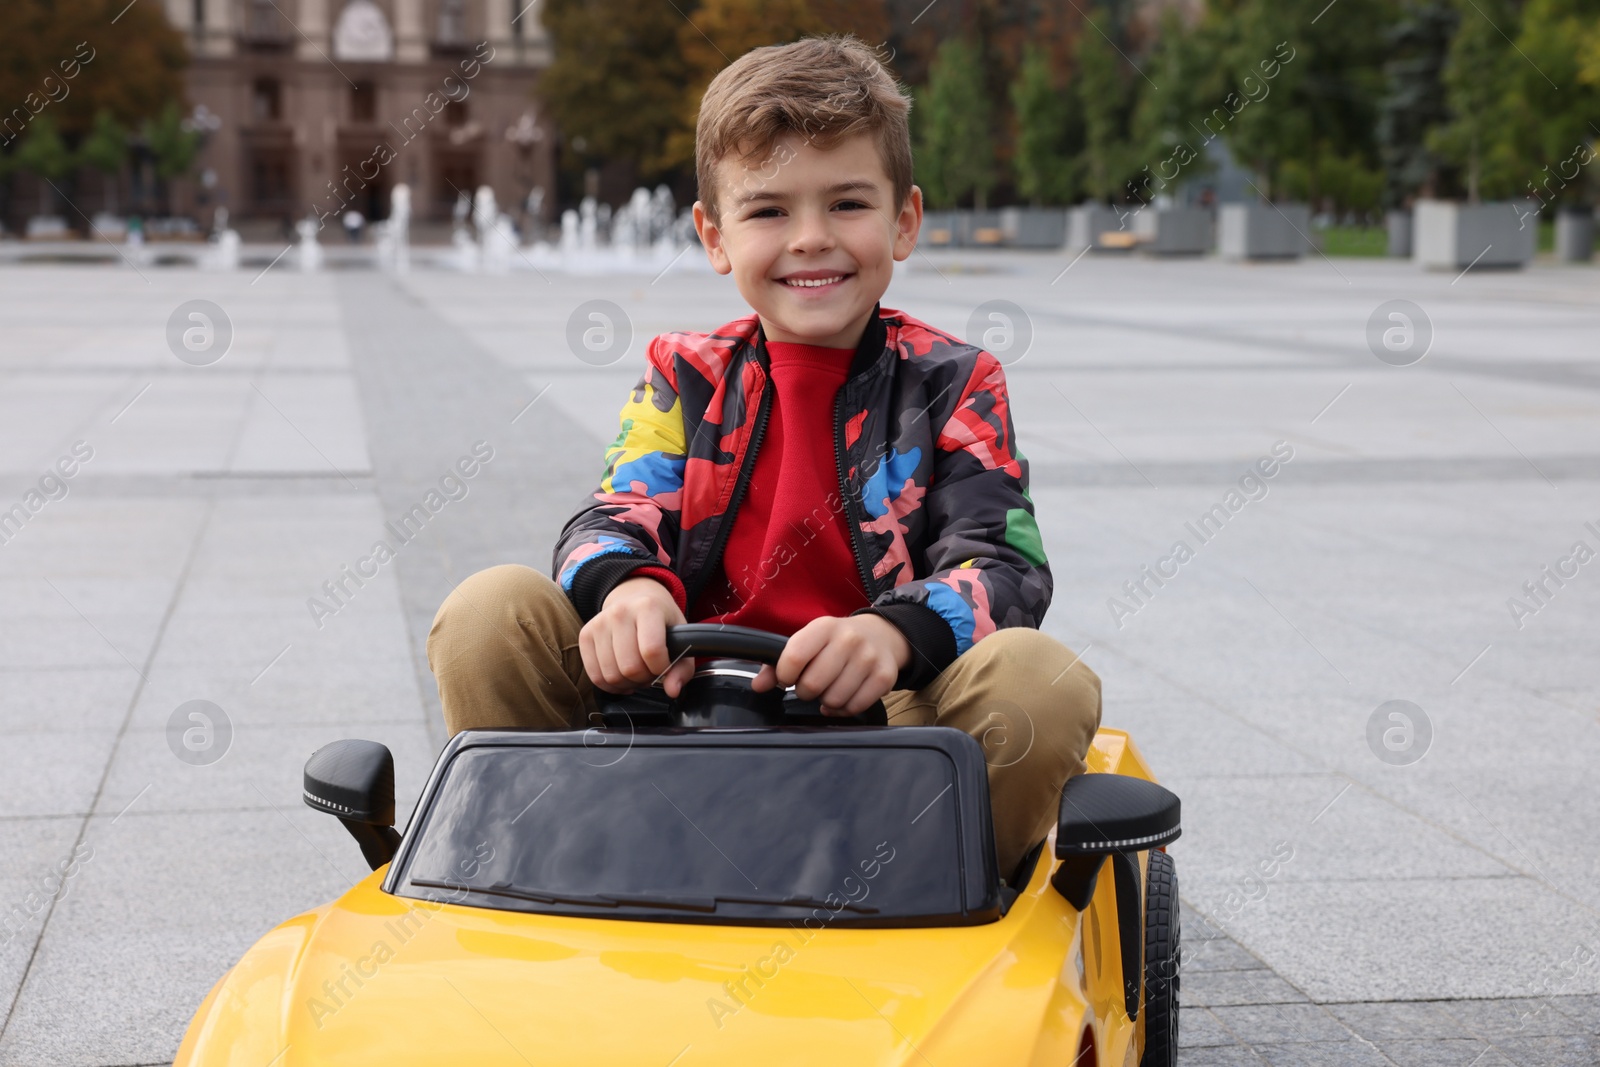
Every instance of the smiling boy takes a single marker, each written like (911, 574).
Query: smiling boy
(825, 468)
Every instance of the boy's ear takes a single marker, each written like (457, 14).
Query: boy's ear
(711, 238)
(908, 225)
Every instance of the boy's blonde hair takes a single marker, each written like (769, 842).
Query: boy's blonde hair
(823, 88)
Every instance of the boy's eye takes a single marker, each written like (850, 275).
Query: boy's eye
(844, 205)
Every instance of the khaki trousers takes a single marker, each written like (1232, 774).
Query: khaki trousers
(504, 649)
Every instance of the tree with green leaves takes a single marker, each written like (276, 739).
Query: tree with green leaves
(955, 153)
(723, 30)
(173, 147)
(1414, 98)
(1556, 108)
(43, 153)
(106, 150)
(1478, 79)
(1167, 138)
(1045, 160)
(98, 55)
(1294, 83)
(105, 54)
(616, 82)
(1106, 97)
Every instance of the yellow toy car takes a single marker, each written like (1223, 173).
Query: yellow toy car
(722, 881)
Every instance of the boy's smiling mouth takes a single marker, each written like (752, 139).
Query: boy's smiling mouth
(815, 279)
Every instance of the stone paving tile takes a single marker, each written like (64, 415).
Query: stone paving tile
(52, 773)
(1213, 952)
(1446, 1052)
(1283, 1023)
(128, 959)
(1220, 1056)
(1518, 1018)
(1322, 1054)
(1197, 1027)
(1410, 939)
(52, 701)
(1399, 1020)
(1585, 1011)
(1553, 1051)
(1221, 988)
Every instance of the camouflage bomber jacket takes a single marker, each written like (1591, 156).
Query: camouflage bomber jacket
(933, 487)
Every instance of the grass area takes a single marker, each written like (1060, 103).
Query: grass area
(1374, 240)
(1547, 235)
(1355, 241)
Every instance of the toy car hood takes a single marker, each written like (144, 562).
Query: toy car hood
(375, 979)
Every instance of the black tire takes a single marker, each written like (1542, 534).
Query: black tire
(1161, 960)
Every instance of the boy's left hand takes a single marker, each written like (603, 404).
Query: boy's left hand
(846, 662)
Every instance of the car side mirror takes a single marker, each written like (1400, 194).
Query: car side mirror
(354, 781)
(1115, 816)
(1106, 814)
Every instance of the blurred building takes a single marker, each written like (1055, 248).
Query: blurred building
(319, 106)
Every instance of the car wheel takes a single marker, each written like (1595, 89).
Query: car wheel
(1161, 961)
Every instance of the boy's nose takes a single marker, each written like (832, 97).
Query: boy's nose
(811, 232)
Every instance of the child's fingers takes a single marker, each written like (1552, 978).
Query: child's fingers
(625, 651)
(765, 679)
(822, 670)
(595, 645)
(852, 677)
(676, 678)
(801, 650)
(652, 644)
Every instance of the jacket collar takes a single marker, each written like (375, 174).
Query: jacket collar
(868, 350)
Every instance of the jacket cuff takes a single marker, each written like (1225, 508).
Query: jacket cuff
(933, 643)
(596, 578)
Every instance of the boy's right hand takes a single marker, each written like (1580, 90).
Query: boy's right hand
(625, 645)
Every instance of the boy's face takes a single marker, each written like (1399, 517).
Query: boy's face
(803, 213)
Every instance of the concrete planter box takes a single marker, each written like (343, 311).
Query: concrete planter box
(1088, 225)
(1453, 236)
(1174, 231)
(1575, 236)
(962, 228)
(979, 229)
(1264, 231)
(1034, 227)
(1398, 223)
(938, 229)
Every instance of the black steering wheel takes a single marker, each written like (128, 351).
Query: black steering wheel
(719, 694)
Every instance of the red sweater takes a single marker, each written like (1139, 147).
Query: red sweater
(788, 559)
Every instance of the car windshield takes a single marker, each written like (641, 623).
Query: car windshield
(723, 833)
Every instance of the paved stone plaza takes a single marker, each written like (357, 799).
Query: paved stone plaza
(1359, 889)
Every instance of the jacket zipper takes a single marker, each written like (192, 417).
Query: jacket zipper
(746, 469)
(839, 450)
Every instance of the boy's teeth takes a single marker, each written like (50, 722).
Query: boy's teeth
(813, 282)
